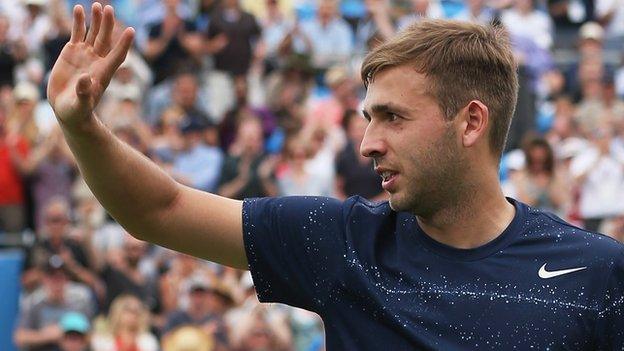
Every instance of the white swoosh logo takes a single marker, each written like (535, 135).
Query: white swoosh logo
(544, 274)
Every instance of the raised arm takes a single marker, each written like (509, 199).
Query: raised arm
(136, 192)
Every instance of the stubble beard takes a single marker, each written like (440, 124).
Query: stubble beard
(436, 181)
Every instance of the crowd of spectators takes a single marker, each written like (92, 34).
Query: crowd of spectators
(261, 98)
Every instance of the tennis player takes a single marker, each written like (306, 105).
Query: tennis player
(448, 263)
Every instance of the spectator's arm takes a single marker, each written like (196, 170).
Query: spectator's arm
(381, 17)
(29, 338)
(192, 42)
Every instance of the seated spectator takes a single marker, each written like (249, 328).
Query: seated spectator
(129, 271)
(208, 303)
(175, 284)
(240, 177)
(538, 184)
(182, 92)
(75, 327)
(355, 174)
(295, 178)
(196, 164)
(40, 313)
(56, 241)
(255, 332)
(127, 328)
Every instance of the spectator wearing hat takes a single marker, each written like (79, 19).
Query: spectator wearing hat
(21, 117)
(127, 327)
(75, 327)
(39, 325)
(203, 311)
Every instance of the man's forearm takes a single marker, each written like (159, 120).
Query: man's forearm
(134, 190)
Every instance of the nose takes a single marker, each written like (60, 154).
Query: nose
(373, 143)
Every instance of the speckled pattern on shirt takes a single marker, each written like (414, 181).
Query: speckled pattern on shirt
(379, 282)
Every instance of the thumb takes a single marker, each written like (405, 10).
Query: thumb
(83, 88)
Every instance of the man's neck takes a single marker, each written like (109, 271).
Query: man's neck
(472, 221)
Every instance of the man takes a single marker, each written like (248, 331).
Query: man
(330, 36)
(448, 263)
(129, 271)
(204, 310)
(173, 43)
(56, 241)
(40, 324)
(75, 327)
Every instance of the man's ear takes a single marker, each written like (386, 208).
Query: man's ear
(474, 125)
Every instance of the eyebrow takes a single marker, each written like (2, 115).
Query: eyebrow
(384, 108)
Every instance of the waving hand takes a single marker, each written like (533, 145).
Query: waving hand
(86, 65)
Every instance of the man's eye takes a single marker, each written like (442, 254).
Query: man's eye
(393, 117)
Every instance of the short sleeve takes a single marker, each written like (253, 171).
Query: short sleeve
(610, 322)
(295, 248)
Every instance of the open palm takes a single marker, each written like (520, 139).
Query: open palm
(86, 65)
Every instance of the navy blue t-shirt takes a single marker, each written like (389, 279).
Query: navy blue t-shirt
(379, 282)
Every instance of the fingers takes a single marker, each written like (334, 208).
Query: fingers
(118, 54)
(102, 44)
(78, 27)
(96, 21)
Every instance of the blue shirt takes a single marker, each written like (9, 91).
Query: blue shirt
(379, 282)
(202, 165)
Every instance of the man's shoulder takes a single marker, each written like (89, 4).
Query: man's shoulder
(561, 234)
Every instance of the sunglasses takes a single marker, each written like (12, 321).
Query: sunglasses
(56, 219)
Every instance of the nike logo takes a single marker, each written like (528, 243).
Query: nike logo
(544, 274)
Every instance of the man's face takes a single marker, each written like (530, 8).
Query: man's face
(414, 147)
(185, 92)
(56, 221)
(74, 341)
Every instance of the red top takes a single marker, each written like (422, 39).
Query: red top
(11, 187)
(123, 347)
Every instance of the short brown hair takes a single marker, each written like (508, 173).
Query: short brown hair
(463, 61)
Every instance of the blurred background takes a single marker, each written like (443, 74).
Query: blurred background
(260, 98)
